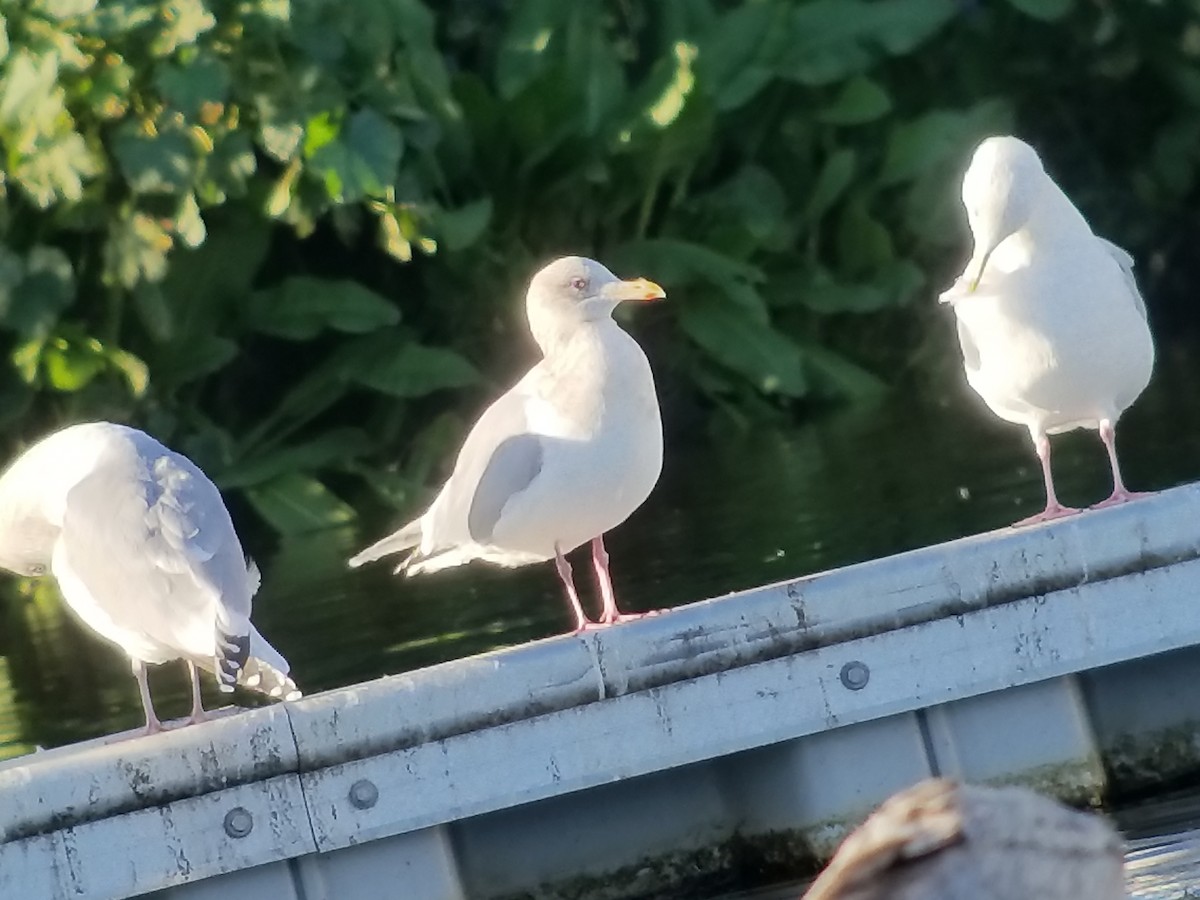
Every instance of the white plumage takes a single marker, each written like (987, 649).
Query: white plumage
(565, 455)
(144, 553)
(1052, 327)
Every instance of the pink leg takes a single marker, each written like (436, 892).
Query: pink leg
(198, 713)
(611, 615)
(564, 573)
(1054, 509)
(153, 725)
(1120, 494)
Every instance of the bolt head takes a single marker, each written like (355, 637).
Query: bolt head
(238, 822)
(855, 675)
(363, 794)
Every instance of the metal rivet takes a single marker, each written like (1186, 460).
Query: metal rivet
(363, 794)
(855, 675)
(238, 822)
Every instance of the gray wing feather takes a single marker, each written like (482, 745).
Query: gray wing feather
(512, 467)
(502, 420)
(153, 542)
(1125, 262)
(478, 488)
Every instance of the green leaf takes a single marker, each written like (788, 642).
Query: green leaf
(301, 307)
(27, 358)
(47, 289)
(281, 138)
(414, 370)
(153, 310)
(931, 140)
(188, 223)
(770, 361)
(190, 88)
(738, 53)
(189, 359)
(118, 18)
(205, 284)
(183, 22)
(839, 376)
(833, 39)
(28, 89)
(835, 176)
(109, 92)
(902, 279)
(228, 169)
(361, 161)
(864, 244)
(525, 48)
(860, 100)
(137, 249)
(134, 370)
(593, 65)
(70, 366)
(64, 9)
(153, 164)
(321, 130)
(1046, 10)
(16, 397)
(293, 503)
(56, 169)
(12, 272)
(754, 200)
(323, 385)
(338, 445)
(462, 227)
(391, 236)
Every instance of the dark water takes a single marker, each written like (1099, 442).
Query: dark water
(730, 512)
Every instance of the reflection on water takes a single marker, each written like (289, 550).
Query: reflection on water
(1164, 868)
(728, 514)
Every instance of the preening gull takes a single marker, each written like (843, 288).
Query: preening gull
(940, 840)
(564, 456)
(1052, 326)
(144, 553)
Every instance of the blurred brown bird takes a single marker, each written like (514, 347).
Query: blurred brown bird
(940, 840)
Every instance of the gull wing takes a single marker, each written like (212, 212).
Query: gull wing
(148, 536)
(1125, 262)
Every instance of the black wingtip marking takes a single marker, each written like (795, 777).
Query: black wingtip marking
(232, 653)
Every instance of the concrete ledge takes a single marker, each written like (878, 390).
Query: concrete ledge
(71, 785)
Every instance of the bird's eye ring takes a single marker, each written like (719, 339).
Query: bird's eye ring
(578, 283)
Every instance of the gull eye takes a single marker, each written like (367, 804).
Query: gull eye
(578, 283)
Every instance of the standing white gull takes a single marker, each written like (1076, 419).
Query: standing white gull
(144, 553)
(1052, 327)
(564, 456)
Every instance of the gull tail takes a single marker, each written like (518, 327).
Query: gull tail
(253, 663)
(266, 671)
(405, 539)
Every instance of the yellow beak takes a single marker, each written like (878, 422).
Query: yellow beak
(974, 282)
(639, 289)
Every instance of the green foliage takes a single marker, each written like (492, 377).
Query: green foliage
(279, 233)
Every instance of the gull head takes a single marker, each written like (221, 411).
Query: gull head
(1000, 191)
(575, 289)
